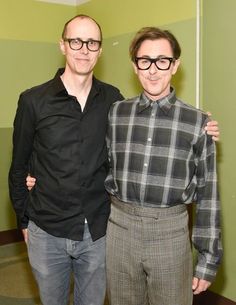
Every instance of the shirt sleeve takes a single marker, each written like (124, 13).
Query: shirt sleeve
(206, 231)
(23, 137)
(109, 182)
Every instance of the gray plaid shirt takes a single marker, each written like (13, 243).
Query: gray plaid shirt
(161, 156)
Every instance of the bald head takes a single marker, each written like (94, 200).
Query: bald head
(77, 18)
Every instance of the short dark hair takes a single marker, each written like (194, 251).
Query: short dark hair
(153, 33)
(82, 16)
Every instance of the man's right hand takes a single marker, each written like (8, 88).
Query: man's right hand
(25, 235)
(30, 182)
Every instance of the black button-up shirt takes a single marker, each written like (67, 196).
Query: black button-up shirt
(64, 148)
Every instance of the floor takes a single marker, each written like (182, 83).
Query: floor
(17, 285)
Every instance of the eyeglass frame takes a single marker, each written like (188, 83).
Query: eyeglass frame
(69, 40)
(155, 60)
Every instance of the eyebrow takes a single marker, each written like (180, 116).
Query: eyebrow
(159, 56)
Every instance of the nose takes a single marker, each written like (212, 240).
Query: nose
(84, 48)
(153, 68)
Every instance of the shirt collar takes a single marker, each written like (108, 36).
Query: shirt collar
(60, 89)
(164, 103)
(58, 86)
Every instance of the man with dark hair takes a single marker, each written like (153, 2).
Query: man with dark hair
(59, 137)
(161, 161)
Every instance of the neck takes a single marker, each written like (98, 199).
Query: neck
(78, 86)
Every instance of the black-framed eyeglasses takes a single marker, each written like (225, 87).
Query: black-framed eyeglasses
(77, 44)
(161, 62)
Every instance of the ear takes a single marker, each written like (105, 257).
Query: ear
(100, 52)
(135, 68)
(175, 66)
(62, 46)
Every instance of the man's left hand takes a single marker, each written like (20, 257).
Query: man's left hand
(212, 129)
(199, 285)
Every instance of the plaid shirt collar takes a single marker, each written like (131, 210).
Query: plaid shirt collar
(164, 103)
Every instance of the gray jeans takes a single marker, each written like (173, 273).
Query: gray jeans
(54, 259)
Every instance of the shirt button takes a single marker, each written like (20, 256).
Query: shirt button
(149, 139)
(145, 164)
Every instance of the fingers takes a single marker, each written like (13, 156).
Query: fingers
(30, 179)
(199, 285)
(208, 113)
(30, 182)
(25, 235)
(216, 138)
(212, 129)
(214, 132)
(213, 124)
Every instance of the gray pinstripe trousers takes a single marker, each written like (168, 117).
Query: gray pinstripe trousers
(149, 259)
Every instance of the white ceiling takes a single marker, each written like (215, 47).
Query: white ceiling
(67, 2)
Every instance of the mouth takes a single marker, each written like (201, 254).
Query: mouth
(82, 59)
(153, 80)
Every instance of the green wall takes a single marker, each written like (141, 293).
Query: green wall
(29, 35)
(126, 16)
(219, 82)
(7, 221)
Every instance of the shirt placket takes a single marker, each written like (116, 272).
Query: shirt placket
(150, 123)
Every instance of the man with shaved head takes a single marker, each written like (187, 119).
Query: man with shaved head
(59, 137)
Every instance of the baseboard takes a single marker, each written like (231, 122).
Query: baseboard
(10, 236)
(211, 298)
